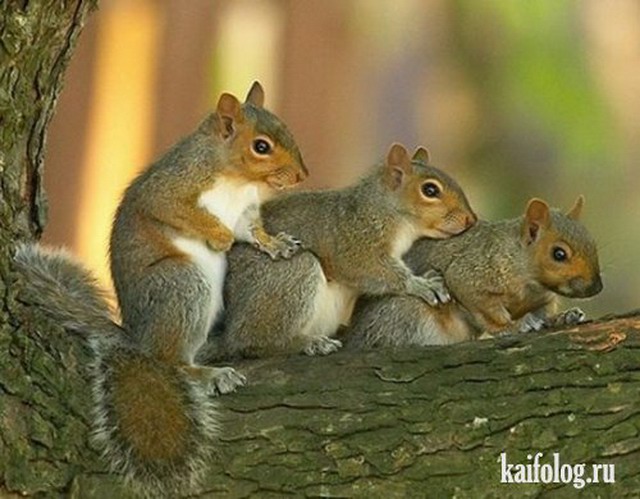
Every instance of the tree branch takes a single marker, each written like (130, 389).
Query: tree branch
(377, 424)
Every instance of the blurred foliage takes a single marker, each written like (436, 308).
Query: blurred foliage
(541, 110)
(517, 98)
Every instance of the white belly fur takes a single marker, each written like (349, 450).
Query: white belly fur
(333, 307)
(212, 265)
(227, 200)
(404, 238)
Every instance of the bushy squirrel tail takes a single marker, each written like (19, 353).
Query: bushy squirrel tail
(155, 426)
(65, 290)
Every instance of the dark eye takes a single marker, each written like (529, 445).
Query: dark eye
(430, 190)
(261, 146)
(559, 255)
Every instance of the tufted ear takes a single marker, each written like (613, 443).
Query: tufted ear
(422, 155)
(256, 95)
(397, 165)
(228, 110)
(536, 218)
(576, 209)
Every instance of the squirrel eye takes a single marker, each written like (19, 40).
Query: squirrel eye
(430, 190)
(261, 147)
(559, 255)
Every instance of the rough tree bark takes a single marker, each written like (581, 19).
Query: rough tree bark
(36, 42)
(411, 423)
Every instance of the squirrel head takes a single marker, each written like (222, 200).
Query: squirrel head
(439, 206)
(258, 143)
(564, 254)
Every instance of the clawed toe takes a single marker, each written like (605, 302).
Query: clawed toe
(323, 346)
(531, 323)
(227, 379)
(573, 316)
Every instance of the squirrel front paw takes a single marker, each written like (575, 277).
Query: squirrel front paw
(281, 245)
(323, 345)
(222, 240)
(531, 322)
(570, 317)
(430, 287)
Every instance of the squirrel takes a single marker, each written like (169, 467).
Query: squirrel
(352, 242)
(153, 417)
(504, 277)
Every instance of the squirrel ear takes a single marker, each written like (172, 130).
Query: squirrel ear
(576, 209)
(397, 165)
(422, 155)
(228, 111)
(256, 95)
(536, 217)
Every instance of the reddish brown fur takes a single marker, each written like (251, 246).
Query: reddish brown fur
(451, 320)
(139, 385)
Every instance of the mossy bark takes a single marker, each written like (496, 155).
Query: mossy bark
(43, 418)
(426, 422)
(411, 423)
(36, 42)
(432, 422)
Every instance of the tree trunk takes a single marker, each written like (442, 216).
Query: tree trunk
(38, 413)
(406, 423)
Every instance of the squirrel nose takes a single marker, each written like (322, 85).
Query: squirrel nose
(596, 286)
(470, 220)
(302, 174)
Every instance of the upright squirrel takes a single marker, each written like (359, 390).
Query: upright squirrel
(153, 418)
(504, 277)
(353, 238)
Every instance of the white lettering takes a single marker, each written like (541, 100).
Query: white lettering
(555, 471)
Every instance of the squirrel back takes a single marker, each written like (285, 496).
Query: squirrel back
(352, 240)
(544, 249)
(502, 275)
(385, 207)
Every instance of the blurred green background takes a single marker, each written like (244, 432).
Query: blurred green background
(515, 98)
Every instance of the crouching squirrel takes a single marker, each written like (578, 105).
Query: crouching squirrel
(353, 239)
(154, 419)
(504, 277)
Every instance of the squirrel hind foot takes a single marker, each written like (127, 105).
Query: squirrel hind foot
(218, 380)
(322, 345)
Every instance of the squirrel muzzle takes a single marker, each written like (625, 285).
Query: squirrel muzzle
(288, 176)
(459, 222)
(578, 287)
